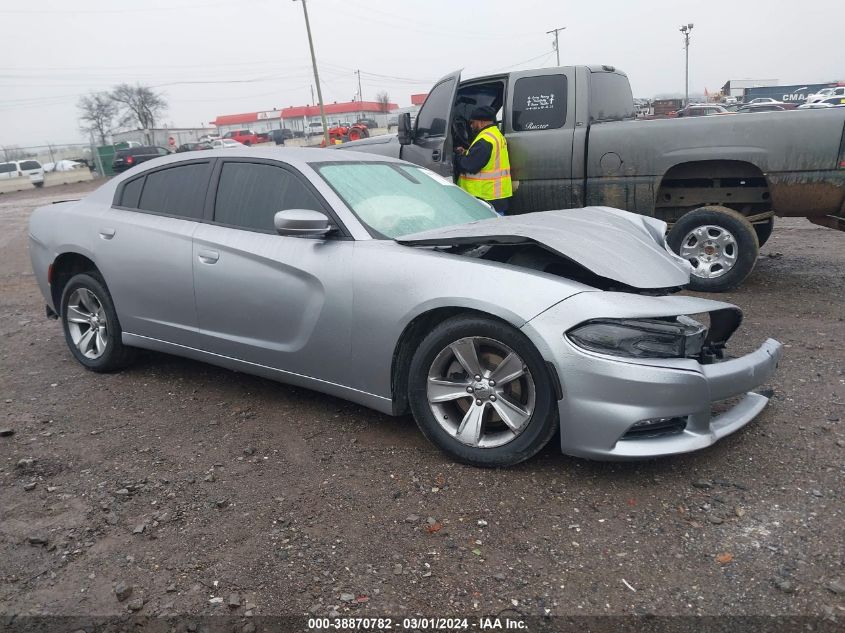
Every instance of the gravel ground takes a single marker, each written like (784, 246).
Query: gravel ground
(180, 488)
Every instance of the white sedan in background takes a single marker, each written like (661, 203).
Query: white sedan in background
(225, 143)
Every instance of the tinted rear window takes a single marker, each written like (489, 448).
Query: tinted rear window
(610, 97)
(30, 164)
(132, 193)
(539, 103)
(176, 191)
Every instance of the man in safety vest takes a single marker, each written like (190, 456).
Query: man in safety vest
(484, 168)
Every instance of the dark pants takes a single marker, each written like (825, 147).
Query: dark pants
(501, 205)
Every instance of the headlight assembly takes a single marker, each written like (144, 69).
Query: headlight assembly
(679, 337)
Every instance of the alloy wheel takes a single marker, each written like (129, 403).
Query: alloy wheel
(481, 392)
(87, 323)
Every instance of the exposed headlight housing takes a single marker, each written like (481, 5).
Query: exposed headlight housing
(678, 337)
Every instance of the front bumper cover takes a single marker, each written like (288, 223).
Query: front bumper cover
(604, 396)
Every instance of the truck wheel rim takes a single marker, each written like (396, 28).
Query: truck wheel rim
(711, 249)
(87, 323)
(481, 392)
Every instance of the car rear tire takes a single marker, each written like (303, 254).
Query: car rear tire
(481, 392)
(720, 243)
(39, 184)
(92, 330)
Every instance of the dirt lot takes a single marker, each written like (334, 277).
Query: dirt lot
(190, 483)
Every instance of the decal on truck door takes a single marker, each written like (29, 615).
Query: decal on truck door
(539, 103)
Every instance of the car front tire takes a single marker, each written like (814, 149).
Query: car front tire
(92, 330)
(481, 392)
(720, 243)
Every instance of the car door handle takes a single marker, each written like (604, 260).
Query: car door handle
(208, 257)
(107, 234)
(435, 155)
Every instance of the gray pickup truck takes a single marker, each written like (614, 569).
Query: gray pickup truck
(574, 141)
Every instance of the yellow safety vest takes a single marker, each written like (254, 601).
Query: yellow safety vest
(494, 180)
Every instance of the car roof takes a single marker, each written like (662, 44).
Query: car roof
(294, 156)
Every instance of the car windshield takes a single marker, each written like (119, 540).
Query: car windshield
(394, 199)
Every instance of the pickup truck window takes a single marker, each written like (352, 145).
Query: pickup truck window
(610, 97)
(539, 103)
(430, 121)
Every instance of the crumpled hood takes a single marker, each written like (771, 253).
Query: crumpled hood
(625, 247)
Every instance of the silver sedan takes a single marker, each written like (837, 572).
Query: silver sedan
(378, 281)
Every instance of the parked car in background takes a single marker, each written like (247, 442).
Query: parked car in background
(702, 109)
(28, 167)
(280, 136)
(129, 157)
(760, 107)
(370, 123)
(226, 143)
(207, 138)
(193, 147)
(764, 101)
(358, 276)
(244, 137)
(314, 129)
(263, 137)
(830, 102)
(825, 93)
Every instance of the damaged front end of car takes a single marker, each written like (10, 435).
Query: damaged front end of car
(601, 247)
(649, 376)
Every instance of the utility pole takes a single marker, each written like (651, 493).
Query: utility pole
(686, 29)
(316, 74)
(360, 95)
(557, 48)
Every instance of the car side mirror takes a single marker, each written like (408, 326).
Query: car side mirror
(302, 223)
(404, 130)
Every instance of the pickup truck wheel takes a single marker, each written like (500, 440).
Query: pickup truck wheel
(764, 231)
(720, 243)
(481, 392)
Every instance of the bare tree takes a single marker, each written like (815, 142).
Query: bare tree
(139, 105)
(96, 115)
(15, 152)
(383, 100)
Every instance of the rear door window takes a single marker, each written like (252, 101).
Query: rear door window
(610, 97)
(539, 103)
(6, 168)
(131, 195)
(250, 194)
(178, 191)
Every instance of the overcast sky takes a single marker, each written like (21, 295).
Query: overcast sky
(211, 57)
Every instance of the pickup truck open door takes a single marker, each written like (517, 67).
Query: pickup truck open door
(431, 142)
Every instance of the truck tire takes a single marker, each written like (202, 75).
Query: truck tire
(764, 231)
(720, 243)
